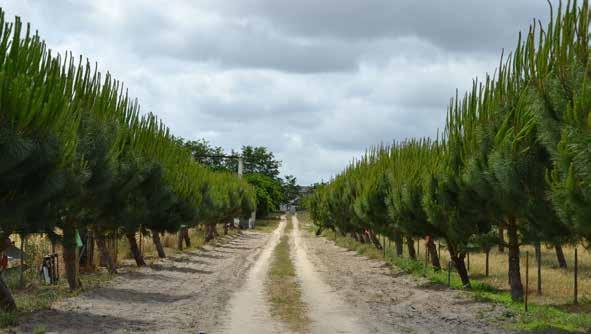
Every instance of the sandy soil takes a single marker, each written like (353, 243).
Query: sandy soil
(393, 302)
(248, 309)
(218, 289)
(186, 293)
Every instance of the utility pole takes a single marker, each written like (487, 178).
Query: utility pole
(252, 218)
(240, 166)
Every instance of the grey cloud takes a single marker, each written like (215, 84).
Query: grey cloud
(315, 81)
(452, 24)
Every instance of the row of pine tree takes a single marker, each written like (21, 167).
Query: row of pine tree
(78, 155)
(513, 160)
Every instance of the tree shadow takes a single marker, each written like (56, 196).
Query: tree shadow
(134, 296)
(245, 236)
(200, 249)
(186, 270)
(188, 260)
(236, 247)
(80, 322)
(210, 256)
(217, 249)
(433, 286)
(138, 275)
(396, 274)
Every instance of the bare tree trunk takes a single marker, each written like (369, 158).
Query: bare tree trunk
(70, 254)
(486, 261)
(458, 260)
(209, 233)
(514, 266)
(560, 257)
(22, 268)
(187, 237)
(411, 248)
(432, 249)
(183, 236)
(375, 240)
(105, 256)
(89, 249)
(319, 231)
(180, 239)
(501, 239)
(7, 303)
(398, 243)
(135, 251)
(538, 249)
(361, 237)
(158, 244)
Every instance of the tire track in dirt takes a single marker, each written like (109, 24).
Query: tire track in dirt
(248, 309)
(184, 293)
(328, 312)
(393, 302)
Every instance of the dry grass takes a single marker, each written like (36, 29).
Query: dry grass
(283, 290)
(557, 283)
(170, 243)
(268, 224)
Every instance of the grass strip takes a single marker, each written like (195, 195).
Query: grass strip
(539, 318)
(283, 290)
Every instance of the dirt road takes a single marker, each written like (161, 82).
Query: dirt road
(182, 294)
(393, 302)
(220, 290)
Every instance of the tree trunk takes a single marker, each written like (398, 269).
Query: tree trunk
(7, 303)
(501, 239)
(105, 256)
(360, 237)
(398, 243)
(486, 261)
(560, 257)
(209, 234)
(411, 248)
(135, 251)
(458, 260)
(158, 244)
(514, 266)
(22, 268)
(319, 231)
(375, 240)
(89, 249)
(538, 249)
(187, 237)
(432, 251)
(179, 240)
(70, 254)
(183, 236)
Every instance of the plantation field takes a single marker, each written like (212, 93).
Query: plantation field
(550, 311)
(34, 295)
(557, 283)
(183, 293)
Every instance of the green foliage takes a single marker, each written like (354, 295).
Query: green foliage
(514, 154)
(76, 152)
(269, 193)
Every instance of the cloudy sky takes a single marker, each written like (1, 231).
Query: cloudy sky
(316, 81)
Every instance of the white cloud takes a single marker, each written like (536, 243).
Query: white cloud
(315, 81)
